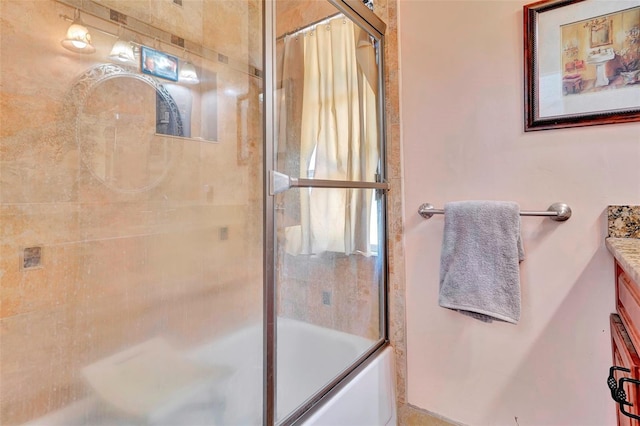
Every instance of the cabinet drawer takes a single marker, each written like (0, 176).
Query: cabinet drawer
(625, 355)
(628, 304)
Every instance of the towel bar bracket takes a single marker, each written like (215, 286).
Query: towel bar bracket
(427, 210)
(559, 212)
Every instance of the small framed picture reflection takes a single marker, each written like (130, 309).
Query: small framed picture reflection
(158, 64)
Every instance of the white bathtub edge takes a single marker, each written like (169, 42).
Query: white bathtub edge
(367, 400)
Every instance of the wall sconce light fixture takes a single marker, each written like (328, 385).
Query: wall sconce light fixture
(78, 38)
(188, 74)
(123, 52)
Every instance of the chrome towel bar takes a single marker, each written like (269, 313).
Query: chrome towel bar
(556, 211)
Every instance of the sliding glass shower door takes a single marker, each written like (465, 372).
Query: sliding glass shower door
(328, 197)
(161, 262)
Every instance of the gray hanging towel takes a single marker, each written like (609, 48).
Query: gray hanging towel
(479, 264)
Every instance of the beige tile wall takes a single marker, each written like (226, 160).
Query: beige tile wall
(349, 282)
(118, 267)
(387, 11)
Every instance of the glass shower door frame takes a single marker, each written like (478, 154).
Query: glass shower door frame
(275, 182)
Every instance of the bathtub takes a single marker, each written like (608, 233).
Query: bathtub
(366, 400)
(308, 358)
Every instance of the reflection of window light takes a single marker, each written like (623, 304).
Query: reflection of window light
(374, 220)
(374, 214)
(311, 170)
(373, 225)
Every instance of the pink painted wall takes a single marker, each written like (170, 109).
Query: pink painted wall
(462, 108)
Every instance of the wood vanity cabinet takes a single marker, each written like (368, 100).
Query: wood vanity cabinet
(625, 341)
(625, 355)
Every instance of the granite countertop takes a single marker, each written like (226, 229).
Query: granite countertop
(627, 253)
(623, 221)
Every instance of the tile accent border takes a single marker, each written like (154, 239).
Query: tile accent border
(158, 35)
(387, 11)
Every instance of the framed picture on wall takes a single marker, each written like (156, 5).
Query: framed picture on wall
(581, 63)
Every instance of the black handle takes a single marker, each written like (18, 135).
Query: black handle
(626, 413)
(618, 393)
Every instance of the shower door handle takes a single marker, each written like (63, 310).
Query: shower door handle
(279, 182)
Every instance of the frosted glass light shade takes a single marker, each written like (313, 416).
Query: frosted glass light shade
(122, 51)
(78, 38)
(188, 74)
